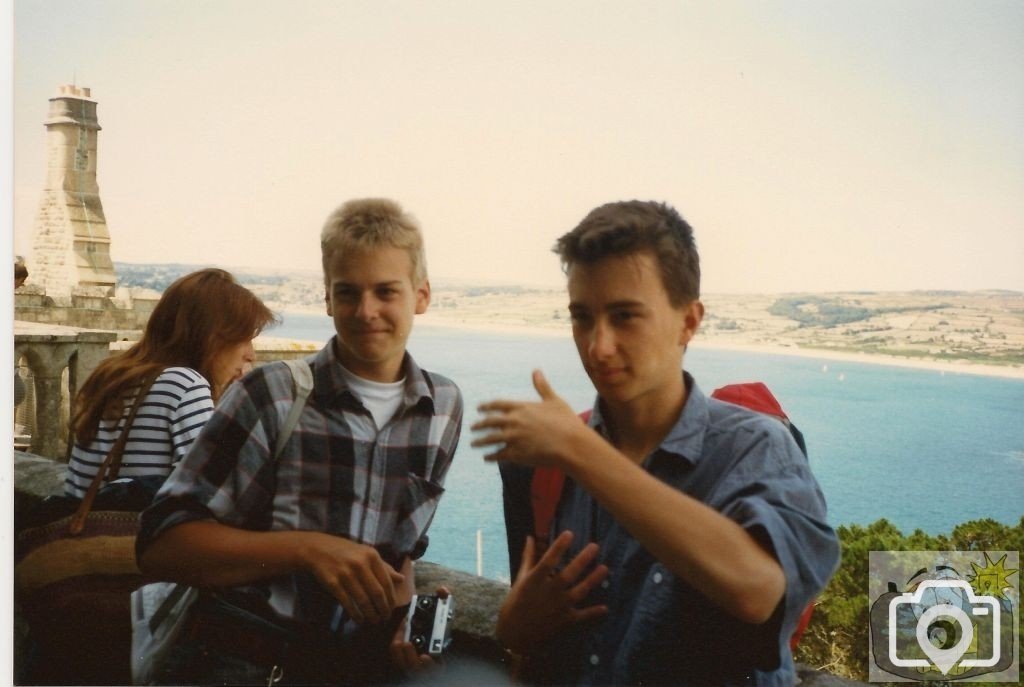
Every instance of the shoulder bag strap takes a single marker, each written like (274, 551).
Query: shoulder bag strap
(302, 376)
(112, 463)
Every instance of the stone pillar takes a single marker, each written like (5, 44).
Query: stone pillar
(49, 350)
(91, 352)
(72, 244)
(46, 440)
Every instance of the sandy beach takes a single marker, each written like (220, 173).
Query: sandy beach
(941, 366)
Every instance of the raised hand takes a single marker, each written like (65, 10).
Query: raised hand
(355, 575)
(528, 433)
(544, 599)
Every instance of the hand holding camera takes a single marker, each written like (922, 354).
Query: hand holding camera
(423, 632)
(428, 623)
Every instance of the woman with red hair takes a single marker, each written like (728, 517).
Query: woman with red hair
(197, 341)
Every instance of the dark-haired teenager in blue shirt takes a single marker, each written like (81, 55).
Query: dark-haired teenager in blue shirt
(693, 533)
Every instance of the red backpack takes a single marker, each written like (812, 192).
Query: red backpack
(547, 482)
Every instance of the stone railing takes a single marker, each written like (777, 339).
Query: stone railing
(268, 349)
(476, 610)
(59, 358)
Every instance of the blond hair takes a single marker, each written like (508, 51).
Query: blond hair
(370, 223)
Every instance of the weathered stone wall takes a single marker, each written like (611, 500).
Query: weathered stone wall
(53, 247)
(269, 349)
(84, 307)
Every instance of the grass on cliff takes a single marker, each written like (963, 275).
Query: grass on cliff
(1010, 357)
(837, 638)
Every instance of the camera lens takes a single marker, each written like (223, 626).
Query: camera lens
(418, 641)
(943, 634)
(426, 603)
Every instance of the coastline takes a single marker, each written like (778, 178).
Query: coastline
(940, 366)
(430, 320)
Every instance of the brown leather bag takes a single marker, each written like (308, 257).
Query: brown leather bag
(73, 579)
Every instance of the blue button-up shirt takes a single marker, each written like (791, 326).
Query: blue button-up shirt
(659, 630)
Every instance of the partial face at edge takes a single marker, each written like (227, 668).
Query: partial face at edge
(372, 300)
(232, 363)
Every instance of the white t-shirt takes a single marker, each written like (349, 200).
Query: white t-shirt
(382, 399)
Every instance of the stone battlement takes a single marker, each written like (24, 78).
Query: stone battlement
(86, 307)
(71, 90)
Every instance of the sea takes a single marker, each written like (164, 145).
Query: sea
(924, 449)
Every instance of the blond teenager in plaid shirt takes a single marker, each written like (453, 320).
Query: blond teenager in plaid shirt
(321, 541)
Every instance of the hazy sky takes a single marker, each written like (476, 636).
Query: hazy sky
(813, 145)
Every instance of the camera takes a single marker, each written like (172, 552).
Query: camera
(940, 625)
(944, 629)
(428, 623)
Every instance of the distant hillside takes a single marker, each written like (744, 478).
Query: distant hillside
(977, 326)
(159, 276)
(295, 289)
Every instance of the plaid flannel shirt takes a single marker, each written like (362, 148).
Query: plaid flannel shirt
(337, 473)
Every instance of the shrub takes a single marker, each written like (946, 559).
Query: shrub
(837, 638)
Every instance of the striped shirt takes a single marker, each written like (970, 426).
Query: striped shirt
(337, 473)
(168, 421)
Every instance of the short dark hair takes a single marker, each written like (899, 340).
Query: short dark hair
(635, 226)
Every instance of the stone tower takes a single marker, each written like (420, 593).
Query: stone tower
(71, 251)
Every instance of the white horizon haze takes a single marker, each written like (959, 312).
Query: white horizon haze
(813, 146)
